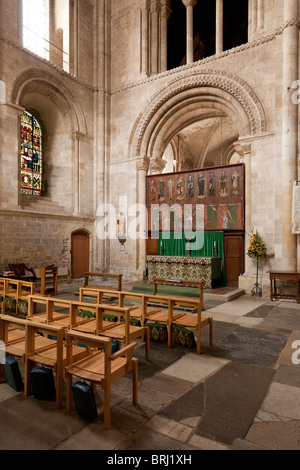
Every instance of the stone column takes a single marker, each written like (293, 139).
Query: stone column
(260, 14)
(154, 36)
(189, 4)
(142, 169)
(144, 36)
(252, 21)
(219, 26)
(290, 51)
(164, 15)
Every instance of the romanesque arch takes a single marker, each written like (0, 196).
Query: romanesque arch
(189, 98)
(46, 84)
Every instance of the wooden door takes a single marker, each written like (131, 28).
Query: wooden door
(234, 258)
(80, 254)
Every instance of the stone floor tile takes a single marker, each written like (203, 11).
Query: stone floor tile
(232, 398)
(276, 435)
(94, 437)
(290, 355)
(146, 439)
(193, 367)
(288, 375)
(252, 346)
(277, 403)
(243, 444)
(169, 428)
(166, 383)
(7, 392)
(283, 318)
(206, 444)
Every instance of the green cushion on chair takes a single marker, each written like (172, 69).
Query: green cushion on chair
(183, 336)
(158, 332)
(1, 298)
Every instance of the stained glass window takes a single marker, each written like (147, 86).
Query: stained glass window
(31, 155)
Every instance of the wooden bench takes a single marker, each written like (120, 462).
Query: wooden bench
(100, 367)
(179, 283)
(167, 316)
(117, 277)
(53, 356)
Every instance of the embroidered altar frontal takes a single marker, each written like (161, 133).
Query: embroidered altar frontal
(188, 268)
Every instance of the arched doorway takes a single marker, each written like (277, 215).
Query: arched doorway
(199, 119)
(80, 253)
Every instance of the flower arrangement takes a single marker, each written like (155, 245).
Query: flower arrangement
(256, 249)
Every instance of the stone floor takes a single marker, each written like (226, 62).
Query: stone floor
(243, 393)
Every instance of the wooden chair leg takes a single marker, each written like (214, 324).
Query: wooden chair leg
(69, 392)
(198, 340)
(59, 384)
(135, 381)
(29, 365)
(210, 332)
(147, 341)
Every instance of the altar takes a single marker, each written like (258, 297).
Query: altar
(207, 269)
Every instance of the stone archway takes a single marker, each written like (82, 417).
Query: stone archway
(197, 96)
(190, 98)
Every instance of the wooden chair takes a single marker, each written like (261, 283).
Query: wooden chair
(53, 356)
(185, 320)
(117, 277)
(13, 334)
(122, 331)
(139, 313)
(46, 273)
(15, 292)
(100, 367)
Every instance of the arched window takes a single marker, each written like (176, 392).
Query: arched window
(31, 155)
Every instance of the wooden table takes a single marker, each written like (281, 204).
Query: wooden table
(284, 276)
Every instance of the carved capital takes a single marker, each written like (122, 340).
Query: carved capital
(143, 164)
(157, 165)
(189, 3)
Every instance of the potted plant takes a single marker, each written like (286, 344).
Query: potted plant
(256, 250)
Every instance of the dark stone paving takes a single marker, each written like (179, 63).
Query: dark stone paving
(260, 312)
(187, 406)
(288, 375)
(282, 318)
(28, 424)
(252, 346)
(231, 400)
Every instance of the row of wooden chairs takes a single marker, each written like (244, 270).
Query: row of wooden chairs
(70, 353)
(68, 313)
(165, 316)
(13, 292)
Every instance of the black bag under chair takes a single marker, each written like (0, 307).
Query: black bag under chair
(42, 381)
(85, 401)
(13, 374)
